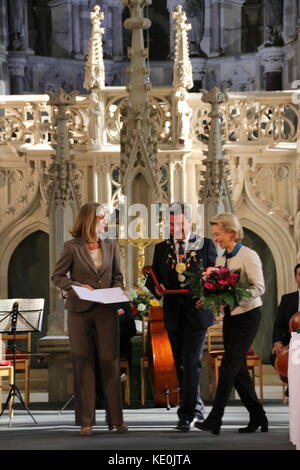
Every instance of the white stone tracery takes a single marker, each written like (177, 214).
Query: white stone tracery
(261, 139)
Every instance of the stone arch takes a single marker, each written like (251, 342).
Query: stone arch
(276, 236)
(263, 340)
(28, 274)
(9, 242)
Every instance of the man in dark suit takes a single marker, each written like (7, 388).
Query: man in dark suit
(186, 326)
(290, 304)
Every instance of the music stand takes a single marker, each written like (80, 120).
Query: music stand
(19, 316)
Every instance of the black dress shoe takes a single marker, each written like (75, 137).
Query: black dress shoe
(254, 424)
(183, 425)
(213, 427)
(196, 421)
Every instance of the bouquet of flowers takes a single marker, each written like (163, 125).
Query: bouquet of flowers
(217, 286)
(141, 300)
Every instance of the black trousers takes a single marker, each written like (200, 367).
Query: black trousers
(239, 332)
(187, 346)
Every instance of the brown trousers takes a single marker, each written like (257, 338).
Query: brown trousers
(98, 323)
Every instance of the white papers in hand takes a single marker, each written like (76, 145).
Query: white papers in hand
(112, 295)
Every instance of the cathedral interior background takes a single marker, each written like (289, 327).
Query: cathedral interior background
(218, 110)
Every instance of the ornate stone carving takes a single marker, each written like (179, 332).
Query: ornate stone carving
(182, 70)
(182, 79)
(269, 185)
(62, 187)
(16, 25)
(94, 68)
(139, 133)
(18, 190)
(183, 113)
(216, 189)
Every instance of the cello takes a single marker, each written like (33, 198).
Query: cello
(282, 360)
(164, 382)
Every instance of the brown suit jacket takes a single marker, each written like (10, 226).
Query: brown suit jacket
(76, 260)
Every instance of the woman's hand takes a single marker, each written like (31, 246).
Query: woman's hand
(86, 286)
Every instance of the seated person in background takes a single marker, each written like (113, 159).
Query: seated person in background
(127, 330)
(290, 304)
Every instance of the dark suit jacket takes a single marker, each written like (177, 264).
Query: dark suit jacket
(76, 260)
(287, 307)
(169, 278)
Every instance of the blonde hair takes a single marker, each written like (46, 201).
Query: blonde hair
(86, 222)
(229, 221)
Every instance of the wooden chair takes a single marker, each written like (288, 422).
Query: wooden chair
(6, 370)
(215, 353)
(23, 351)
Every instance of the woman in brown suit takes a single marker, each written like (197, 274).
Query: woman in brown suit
(93, 262)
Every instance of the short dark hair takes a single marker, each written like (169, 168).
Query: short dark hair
(181, 207)
(296, 269)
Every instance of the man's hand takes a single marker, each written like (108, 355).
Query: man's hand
(158, 293)
(199, 304)
(277, 348)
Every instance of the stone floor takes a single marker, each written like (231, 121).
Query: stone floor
(151, 429)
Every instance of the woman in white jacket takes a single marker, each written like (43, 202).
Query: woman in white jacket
(240, 326)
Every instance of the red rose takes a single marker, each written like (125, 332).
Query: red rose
(134, 310)
(209, 286)
(223, 283)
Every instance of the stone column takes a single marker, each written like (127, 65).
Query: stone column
(63, 203)
(103, 190)
(231, 14)
(76, 32)
(214, 29)
(116, 28)
(62, 30)
(3, 24)
(4, 88)
(273, 20)
(289, 27)
(43, 27)
(63, 200)
(17, 61)
(272, 60)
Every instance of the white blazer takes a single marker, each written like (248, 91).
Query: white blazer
(251, 276)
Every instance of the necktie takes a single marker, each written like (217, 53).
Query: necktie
(181, 255)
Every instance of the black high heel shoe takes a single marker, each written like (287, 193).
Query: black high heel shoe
(253, 425)
(213, 427)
